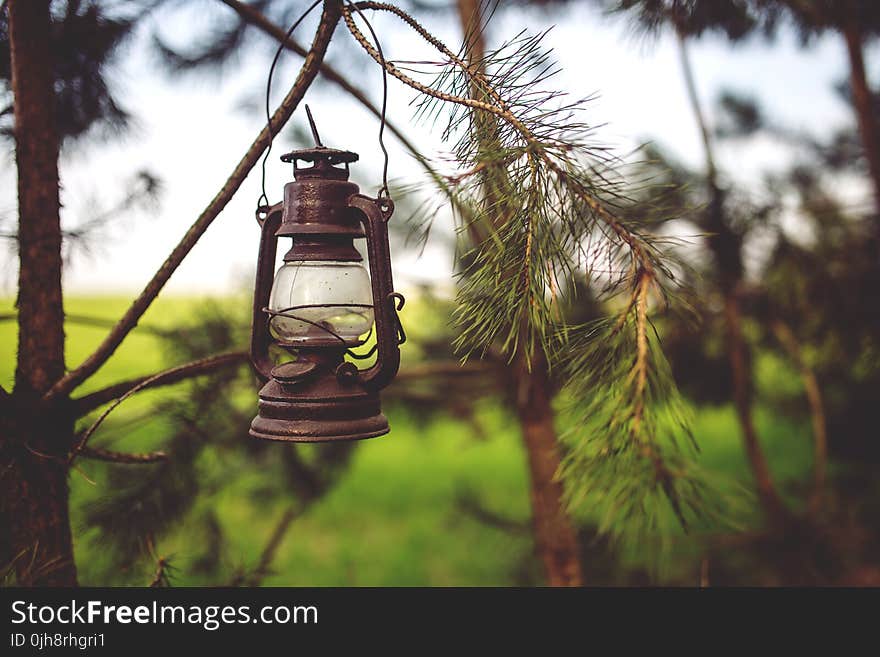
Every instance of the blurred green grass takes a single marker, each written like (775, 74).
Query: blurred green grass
(393, 519)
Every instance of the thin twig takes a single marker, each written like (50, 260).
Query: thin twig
(98, 454)
(499, 109)
(268, 555)
(641, 365)
(87, 403)
(258, 20)
(329, 20)
(149, 381)
(696, 108)
(160, 578)
(471, 506)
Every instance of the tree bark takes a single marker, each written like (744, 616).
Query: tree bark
(40, 309)
(34, 504)
(725, 246)
(556, 542)
(34, 486)
(555, 539)
(815, 399)
(741, 370)
(864, 108)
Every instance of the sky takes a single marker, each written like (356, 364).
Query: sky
(193, 130)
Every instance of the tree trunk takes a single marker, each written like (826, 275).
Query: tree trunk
(741, 370)
(36, 440)
(34, 503)
(816, 403)
(725, 246)
(556, 542)
(864, 107)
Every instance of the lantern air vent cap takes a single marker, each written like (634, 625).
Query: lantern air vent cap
(320, 154)
(324, 160)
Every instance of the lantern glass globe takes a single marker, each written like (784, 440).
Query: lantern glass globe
(321, 299)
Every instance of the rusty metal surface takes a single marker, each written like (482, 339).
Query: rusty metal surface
(323, 247)
(320, 396)
(316, 206)
(332, 156)
(312, 399)
(316, 201)
(375, 218)
(260, 338)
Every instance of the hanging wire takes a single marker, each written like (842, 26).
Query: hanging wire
(383, 192)
(263, 201)
(288, 313)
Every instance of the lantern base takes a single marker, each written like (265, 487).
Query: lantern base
(306, 402)
(312, 431)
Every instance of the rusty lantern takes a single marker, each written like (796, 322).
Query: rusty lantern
(322, 302)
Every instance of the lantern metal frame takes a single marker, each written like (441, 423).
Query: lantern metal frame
(320, 396)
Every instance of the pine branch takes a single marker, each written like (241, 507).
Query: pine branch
(329, 19)
(267, 556)
(534, 148)
(543, 205)
(696, 108)
(257, 19)
(470, 505)
(98, 454)
(498, 109)
(181, 371)
(160, 577)
(87, 403)
(142, 191)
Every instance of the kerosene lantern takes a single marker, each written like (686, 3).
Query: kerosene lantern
(321, 303)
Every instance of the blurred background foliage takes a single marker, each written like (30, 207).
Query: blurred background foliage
(779, 367)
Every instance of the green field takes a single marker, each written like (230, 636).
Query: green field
(393, 519)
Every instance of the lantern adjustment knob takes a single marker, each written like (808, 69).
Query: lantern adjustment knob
(293, 371)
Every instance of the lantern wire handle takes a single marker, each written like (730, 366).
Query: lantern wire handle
(383, 192)
(263, 201)
(289, 314)
(395, 298)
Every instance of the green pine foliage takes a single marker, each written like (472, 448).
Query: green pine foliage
(536, 198)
